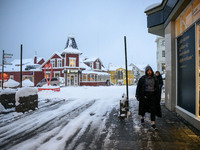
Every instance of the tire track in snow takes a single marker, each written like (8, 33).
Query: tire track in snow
(58, 121)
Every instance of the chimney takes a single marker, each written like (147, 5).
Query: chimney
(35, 60)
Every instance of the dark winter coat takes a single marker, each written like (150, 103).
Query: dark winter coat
(160, 81)
(140, 95)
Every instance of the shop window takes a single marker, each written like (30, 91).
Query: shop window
(84, 77)
(95, 77)
(91, 77)
(56, 74)
(196, 10)
(72, 62)
(88, 77)
(52, 61)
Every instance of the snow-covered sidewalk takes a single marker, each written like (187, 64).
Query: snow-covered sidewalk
(62, 117)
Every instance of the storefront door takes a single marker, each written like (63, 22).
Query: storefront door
(72, 80)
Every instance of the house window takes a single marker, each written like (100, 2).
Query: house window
(59, 62)
(163, 43)
(52, 61)
(57, 74)
(120, 74)
(97, 65)
(163, 53)
(72, 62)
(84, 77)
(12, 77)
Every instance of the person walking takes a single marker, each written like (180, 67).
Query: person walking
(160, 83)
(147, 95)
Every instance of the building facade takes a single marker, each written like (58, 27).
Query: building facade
(139, 71)
(67, 64)
(178, 21)
(160, 54)
(118, 75)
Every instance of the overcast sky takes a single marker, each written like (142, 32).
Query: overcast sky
(99, 27)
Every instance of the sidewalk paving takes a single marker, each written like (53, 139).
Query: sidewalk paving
(173, 132)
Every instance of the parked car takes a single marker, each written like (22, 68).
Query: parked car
(54, 82)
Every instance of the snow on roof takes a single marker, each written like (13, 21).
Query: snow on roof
(94, 72)
(11, 83)
(83, 65)
(27, 83)
(111, 67)
(39, 59)
(57, 53)
(140, 66)
(91, 59)
(152, 6)
(25, 62)
(71, 50)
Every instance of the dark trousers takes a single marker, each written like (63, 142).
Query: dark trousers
(149, 103)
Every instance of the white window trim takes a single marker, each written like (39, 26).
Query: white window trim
(98, 65)
(54, 62)
(72, 58)
(59, 59)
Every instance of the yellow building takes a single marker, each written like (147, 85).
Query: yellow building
(118, 75)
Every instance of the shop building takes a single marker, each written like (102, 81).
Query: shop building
(178, 21)
(160, 54)
(118, 75)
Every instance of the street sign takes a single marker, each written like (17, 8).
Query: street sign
(8, 54)
(7, 64)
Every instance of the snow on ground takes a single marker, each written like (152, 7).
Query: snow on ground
(60, 116)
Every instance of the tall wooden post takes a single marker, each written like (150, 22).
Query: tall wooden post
(21, 66)
(127, 103)
(2, 69)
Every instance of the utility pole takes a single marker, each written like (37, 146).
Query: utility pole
(2, 69)
(21, 66)
(127, 103)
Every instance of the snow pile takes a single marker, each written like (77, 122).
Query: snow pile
(11, 83)
(27, 83)
(8, 91)
(2, 109)
(50, 86)
(24, 92)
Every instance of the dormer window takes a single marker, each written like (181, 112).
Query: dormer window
(72, 62)
(52, 61)
(97, 65)
(59, 62)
